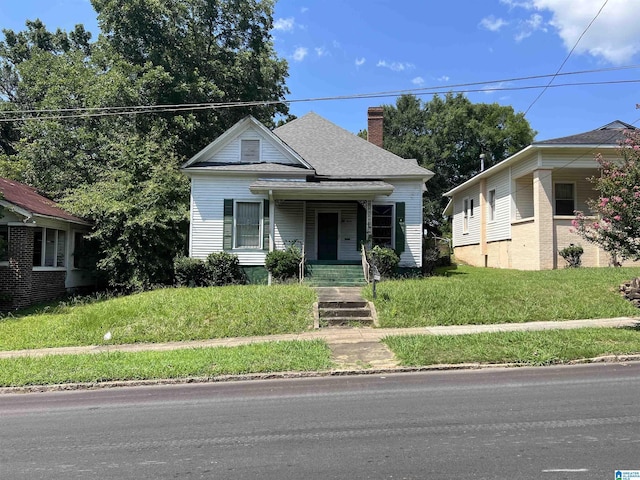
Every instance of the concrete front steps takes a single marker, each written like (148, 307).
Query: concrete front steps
(334, 275)
(343, 307)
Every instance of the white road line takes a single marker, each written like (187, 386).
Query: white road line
(561, 470)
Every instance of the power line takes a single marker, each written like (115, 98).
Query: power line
(158, 109)
(391, 93)
(566, 58)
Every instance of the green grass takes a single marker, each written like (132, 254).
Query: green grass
(530, 348)
(470, 295)
(201, 362)
(171, 314)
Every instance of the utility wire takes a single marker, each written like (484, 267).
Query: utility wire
(217, 106)
(566, 58)
(419, 91)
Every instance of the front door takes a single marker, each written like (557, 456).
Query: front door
(328, 235)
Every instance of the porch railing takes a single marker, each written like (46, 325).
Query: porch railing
(301, 266)
(366, 268)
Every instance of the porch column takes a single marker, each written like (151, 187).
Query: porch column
(543, 216)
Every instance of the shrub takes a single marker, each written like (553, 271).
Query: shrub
(190, 272)
(572, 254)
(283, 264)
(224, 269)
(384, 259)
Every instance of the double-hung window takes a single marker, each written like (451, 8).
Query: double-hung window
(382, 223)
(564, 198)
(4, 243)
(49, 247)
(465, 215)
(247, 219)
(492, 205)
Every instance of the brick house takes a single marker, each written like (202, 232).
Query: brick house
(39, 239)
(517, 214)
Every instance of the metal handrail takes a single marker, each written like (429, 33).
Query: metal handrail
(301, 266)
(366, 268)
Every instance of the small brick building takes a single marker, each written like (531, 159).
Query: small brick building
(38, 260)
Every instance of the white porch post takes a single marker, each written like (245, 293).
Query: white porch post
(368, 239)
(272, 227)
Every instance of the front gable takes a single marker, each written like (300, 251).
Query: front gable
(248, 142)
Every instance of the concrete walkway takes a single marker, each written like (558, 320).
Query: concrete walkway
(352, 348)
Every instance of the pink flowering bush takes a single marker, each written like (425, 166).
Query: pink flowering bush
(616, 226)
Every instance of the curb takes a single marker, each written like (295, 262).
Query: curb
(65, 387)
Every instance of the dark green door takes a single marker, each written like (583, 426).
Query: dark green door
(327, 235)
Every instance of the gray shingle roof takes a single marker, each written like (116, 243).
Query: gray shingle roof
(321, 186)
(335, 152)
(610, 134)
(251, 167)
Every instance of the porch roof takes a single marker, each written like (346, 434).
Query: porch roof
(322, 190)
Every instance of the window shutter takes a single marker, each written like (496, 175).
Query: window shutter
(400, 227)
(361, 226)
(265, 225)
(227, 232)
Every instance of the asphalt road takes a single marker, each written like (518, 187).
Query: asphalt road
(580, 422)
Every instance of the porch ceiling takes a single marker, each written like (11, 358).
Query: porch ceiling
(323, 190)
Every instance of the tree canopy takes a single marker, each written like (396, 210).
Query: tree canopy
(447, 135)
(122, 170)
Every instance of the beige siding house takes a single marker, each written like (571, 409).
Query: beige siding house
(518, 213)
(311, 182)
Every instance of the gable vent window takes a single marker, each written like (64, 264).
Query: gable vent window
(250, 151)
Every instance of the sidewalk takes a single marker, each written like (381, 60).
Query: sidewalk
(340, 340)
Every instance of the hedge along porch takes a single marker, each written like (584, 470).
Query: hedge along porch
(309, 182)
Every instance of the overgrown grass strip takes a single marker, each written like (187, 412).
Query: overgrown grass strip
(528, 348)
(468, 295)
(171, 314)
(201, 362)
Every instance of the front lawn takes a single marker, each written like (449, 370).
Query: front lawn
(199, 362)
(527, 348)
(471, 295)
(165, 315)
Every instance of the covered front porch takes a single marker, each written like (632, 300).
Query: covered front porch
(330, 220)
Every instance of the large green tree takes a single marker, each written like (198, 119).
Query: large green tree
(122, 170)
(447, 135)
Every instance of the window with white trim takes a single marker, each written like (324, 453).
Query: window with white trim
(564, 195)
(49, 247)
(247, 224)
(492, 205)
(249, 151)
(465, 215)
(382, 225)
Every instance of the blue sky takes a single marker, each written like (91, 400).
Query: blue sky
(351, 47)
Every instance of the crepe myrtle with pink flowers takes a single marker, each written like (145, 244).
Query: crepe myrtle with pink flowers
(614, 222)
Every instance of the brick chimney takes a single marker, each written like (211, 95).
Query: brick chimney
(374, 127)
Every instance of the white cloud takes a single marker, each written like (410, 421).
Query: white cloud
(395, 66)
(336, 44)
(321, 51)
(284, 24)
(613, 37)
(300, 53)
(360, 61)
(527, 28)
(443, 78)
(304, 9)
(489, 89)
(492, 23)
(418, 81)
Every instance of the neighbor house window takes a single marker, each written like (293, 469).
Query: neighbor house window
(564, 198)
(4, 243)
(382, 223)
(247, 224)
(79, 249)
(49, 247)
(492, 205)
(250, 151)
(465, 215)
(471, 207)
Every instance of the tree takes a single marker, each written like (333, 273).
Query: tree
(447, 135)
(122, 171)
(212, 51)
(614, 223)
